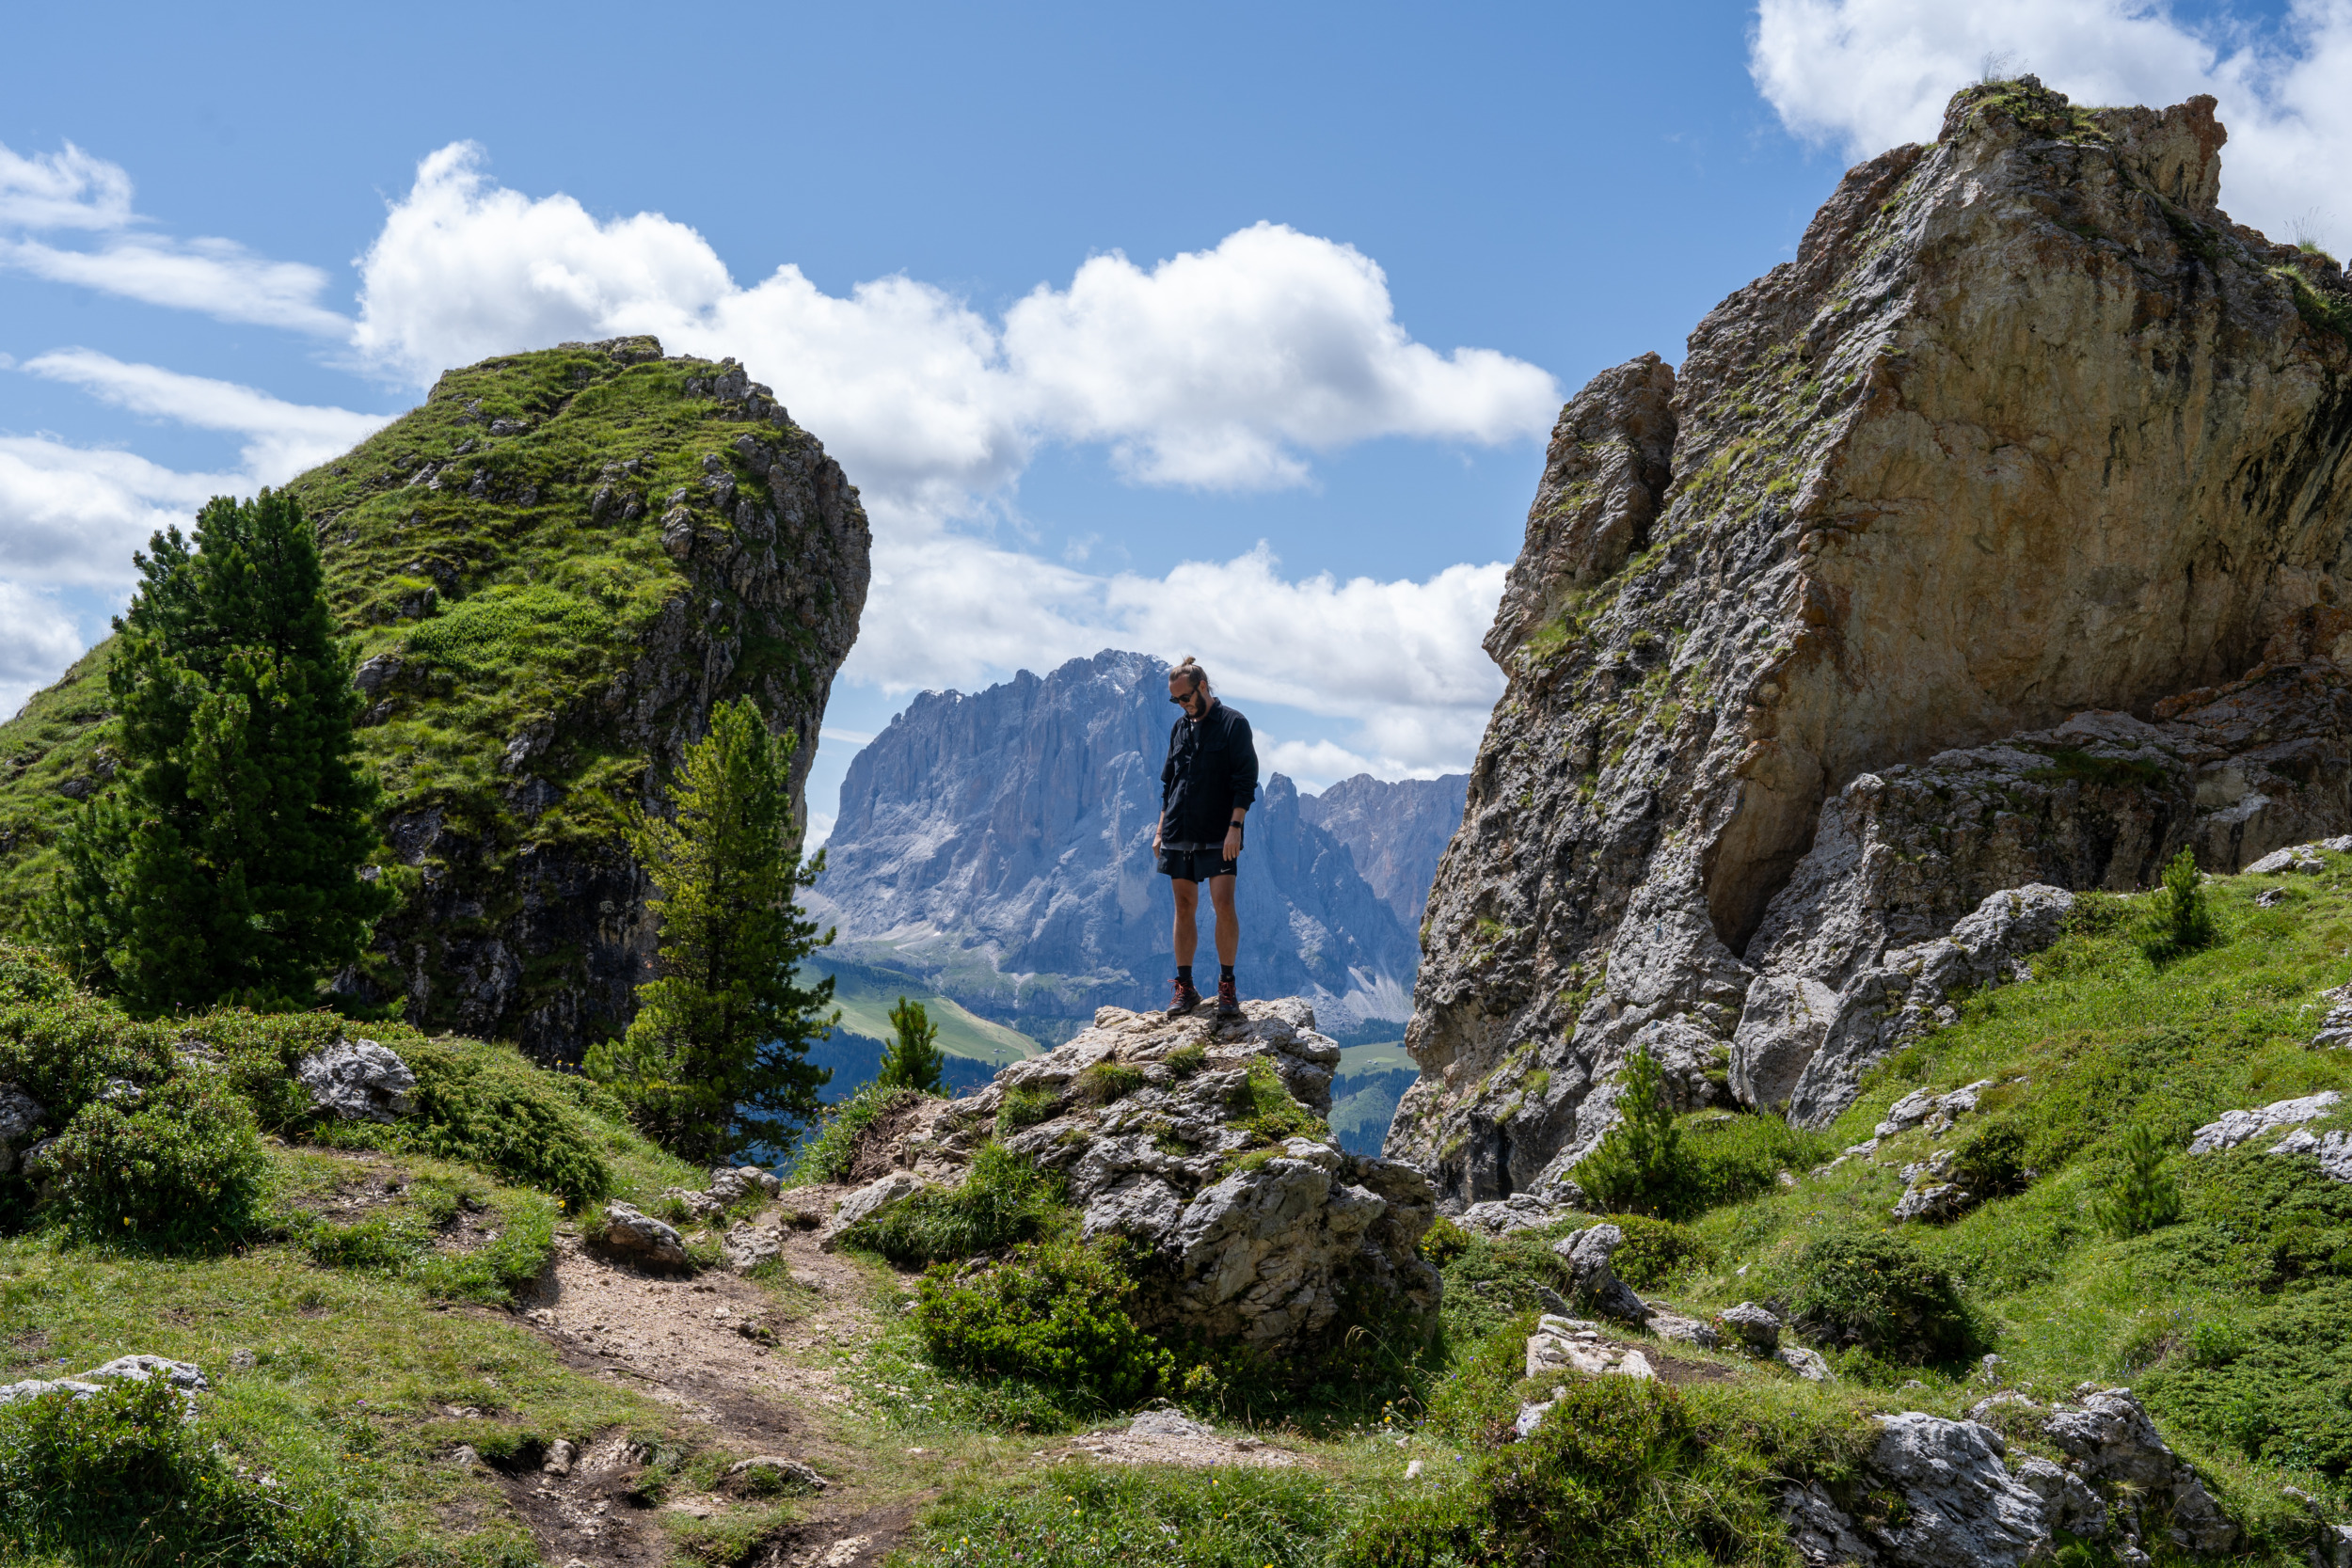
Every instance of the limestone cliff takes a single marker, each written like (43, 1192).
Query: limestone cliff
(552, 569)
(2029, 428)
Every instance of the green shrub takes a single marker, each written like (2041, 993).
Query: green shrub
(177, 1166)
(830, 1153)
(1057, 1313)
(1732, 1159)
(1654, 1250)
(2143, 1196)
(1265, 1110)
(488, 1105)
(1026, 1108)
(1444, 1241)
(1990, 1161)
(1185, 1060)
(1105, 1082)
(1491, 1279)
(1618, 1473)
(1640, 1166)
(2182, 921)
(62, 1045)
(1003, 1199)
(403, 1243)
(1877, 1291)
(122, 1478)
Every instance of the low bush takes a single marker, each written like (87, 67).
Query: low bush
(1491, 1279)
(1056, 1313)
(1105, 1081)
(1618, 1472)
(1026, 1108)
(1640, 1165)
(1655, 1249)
(1444, 1241)
(1004, 1200)
(1990, 1161)
(120, 1477)
(177, 1166)
(1185, 1060)
(828, 1154)
(1878, 1292)
(1732, 1159)
(1265, 1110)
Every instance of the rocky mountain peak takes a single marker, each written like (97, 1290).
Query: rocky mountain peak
(2027, 429)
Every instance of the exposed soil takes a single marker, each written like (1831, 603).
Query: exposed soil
(876, 1152)
(742, 1358)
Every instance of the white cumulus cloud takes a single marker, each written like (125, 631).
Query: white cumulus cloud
(1867, 74)
(1400, 659)
(283, 439)
(1219, 369)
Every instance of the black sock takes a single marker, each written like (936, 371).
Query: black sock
(1224, 974)
(1184, 975)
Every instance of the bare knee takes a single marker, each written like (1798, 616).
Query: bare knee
(1221, 894)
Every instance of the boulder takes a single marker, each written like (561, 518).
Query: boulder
(1936, 1203)
(1807, 1364)
(1592, 1282)
(20, 1118)
(1966, 1510)
(775, 1469)
(1756, 1328)
(359, 1081)
(2335, 1029)
(2304, 858)
(2332, 1150)
(640, 1238)
(2110, 1442)
(1682, 1330)
(1501, 1216)
(1239, 1236)
(877, 1198)
(730, 1182)
(184, 1376)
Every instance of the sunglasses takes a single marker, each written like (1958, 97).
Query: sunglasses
(1185, 700)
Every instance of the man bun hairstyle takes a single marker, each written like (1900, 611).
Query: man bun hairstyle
(1196, 678)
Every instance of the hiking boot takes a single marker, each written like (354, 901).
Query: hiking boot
(1186, 1001)
(1228, 1000)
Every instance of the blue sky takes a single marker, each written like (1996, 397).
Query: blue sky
(1471, 210)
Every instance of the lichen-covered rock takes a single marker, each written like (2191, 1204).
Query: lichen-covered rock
(359, 1081)
(1966, 1510)
(1201, 1143)
(184, 1376)
(877, 1198)
(1807, 1364)
(2234, 1128)
(1876, 538)
(1757, 1328)
(640, 1238)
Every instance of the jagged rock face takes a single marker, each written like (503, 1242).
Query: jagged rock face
(2027, 428)
(998, 847)
(553, 568)
(1272, 1242)
(1395, 831)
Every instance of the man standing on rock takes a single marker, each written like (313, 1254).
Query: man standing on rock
(1205, 789)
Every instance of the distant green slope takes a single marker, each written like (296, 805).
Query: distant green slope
(866, 998)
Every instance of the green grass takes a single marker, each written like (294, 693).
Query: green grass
(866, 1003)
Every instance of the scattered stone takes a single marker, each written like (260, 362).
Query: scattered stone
(1501, 1216)
(1943, 1201)
(640, 1238)
(748, 1245)
(1412, 1471)
(466, 1456)
(562, 1455)
(2269, 898)
(2335, 1030)
(1591, 1279)
(2237, 1127)
(2303, 858)
(793, 1475)
(359, 1081)
(2334, 1151)
(875, 1198)
(1756, 1327)
(1169, 1424)
(1684, 1331)
(1807, 1364)
(1966, 1510)
(729, 1183)
(243, 1360)
(1633, 1364)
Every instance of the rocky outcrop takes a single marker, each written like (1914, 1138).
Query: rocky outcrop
(1395, 831)
(1196, 1142)
(552, 569)
(2028, 431)
(996, 847)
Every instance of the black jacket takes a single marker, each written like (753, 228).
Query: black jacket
(1211, 769)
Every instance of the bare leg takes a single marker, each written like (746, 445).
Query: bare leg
(1188, 916)
(1227, 923)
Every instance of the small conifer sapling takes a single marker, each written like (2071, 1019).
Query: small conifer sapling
(1640, 1166)
(913, 1059)
(2144, 1194)
(2183, 918)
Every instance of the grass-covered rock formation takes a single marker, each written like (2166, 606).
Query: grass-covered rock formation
(553, 569)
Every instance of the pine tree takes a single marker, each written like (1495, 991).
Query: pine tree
(716, 1060)
(1640, 1165)
(2144, 1196)
(225, 860)
(2183, 919)
(913, 1059)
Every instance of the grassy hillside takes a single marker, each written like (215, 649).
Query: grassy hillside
(547, 576)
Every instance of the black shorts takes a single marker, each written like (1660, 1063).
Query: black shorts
(1195, 866)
